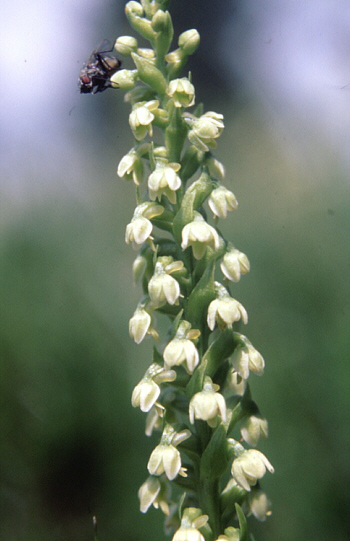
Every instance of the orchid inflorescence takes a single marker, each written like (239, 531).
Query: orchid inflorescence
(195, 391)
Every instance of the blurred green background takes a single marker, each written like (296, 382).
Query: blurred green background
(71, 444)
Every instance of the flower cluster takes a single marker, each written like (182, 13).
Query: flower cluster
(196, 389)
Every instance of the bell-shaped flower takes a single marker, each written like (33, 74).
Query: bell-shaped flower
(221, 201)
(182, 92)
(234, 264)
(140, 228)
(235, 384)
(146, 392)
(204, 130)
(138, 231)
(245, 359)
(165, 458)
(164, 180)
(199, 234)
(253, 428)
(225, 310)
(192, 520)
(154, 419)
(216, 169)
(208, 404)
(259, 505)
(131, 167)
(141, 118)
(181, 350)
(154, 491)
(249, 467)
(140, 324)
(162, 287)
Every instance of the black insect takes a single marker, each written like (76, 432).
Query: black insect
(95, 74)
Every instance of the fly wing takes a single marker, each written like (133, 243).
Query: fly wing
(103, 47)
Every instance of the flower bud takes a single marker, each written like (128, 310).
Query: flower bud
(138, 268)
(189, 41)
(134, 8)
(149, 73)
(125, 79)
(134, 13)
(126, 45)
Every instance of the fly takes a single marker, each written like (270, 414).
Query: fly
(95, 74)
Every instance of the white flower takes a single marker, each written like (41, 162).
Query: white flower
(139, 325)
(181, 350)
(138, 231)
(182, 92)
(233, 264)
(188, 534)
(216, 168)
(253, 428)
(145, 394)
(250, 466)
(221, 201)
(141, 119)
(247, 358)
(154, 418)
(199, 234)
(259, 505)
(163, 288)
(165, 458)
(154, 492)
(140, 228)
(225, 311)
(204, 130)
(131, 167)
(164, 180)
(235, 383)
(192, 519)
(208, 404)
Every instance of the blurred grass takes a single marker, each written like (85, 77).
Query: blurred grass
(72, 446)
